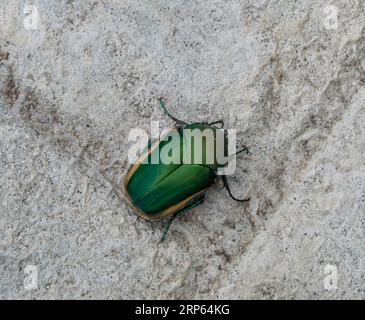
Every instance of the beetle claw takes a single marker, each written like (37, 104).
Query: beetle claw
(225, 183)
(221, 122)
(244, 148)
(178, 122)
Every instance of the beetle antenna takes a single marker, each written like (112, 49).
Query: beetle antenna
(225, 183)
(180, 122)
(244, 149)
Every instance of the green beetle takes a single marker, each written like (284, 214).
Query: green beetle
(159, 191)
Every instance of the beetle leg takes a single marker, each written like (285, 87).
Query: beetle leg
(188, 207)
(244, 148)
(216, 122)
(178, 122)
(225, 182)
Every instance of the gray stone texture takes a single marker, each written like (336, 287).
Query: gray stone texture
(291, 83)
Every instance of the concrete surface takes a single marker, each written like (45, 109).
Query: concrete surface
(286, 76)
